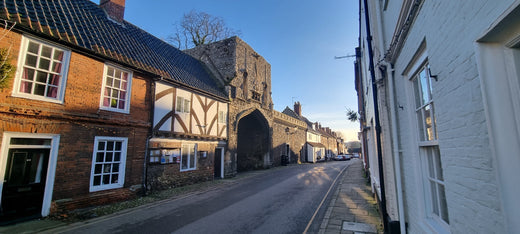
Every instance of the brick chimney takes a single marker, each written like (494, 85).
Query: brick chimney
(114, 8)
(298, 108)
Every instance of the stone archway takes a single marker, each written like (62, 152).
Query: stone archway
(253, 142)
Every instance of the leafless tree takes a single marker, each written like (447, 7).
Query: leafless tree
(197, 28)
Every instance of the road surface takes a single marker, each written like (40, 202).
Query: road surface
(282, 200)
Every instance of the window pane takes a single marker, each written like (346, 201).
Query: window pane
(101, 145)
(97, 180)
(41, 77)
(435, 200)
(115, 167)
(108, 157)
(184, 159)
(109, 81)
(431, 162)
(58, 55)
(46, 51)
(424, 87)
(117, 156)
(28, 74)
(33, 47)
(44, 64)
(118, 145)
(178, 107)
(186, 106)
(110, 71)
(98, 168)
(420, 123)
(192, 160)
(106, 179)
(52, 92)
(443, 204)
(30, 60)
(39, 89)
(437, 159)
(107, 168)
(115, 178)
(110, 145)
(100, 156)
(428, 123)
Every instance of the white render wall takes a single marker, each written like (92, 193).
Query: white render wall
(449, 30)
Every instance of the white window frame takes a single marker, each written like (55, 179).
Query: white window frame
(128, 95)
(21, 66)
(51, 168)
(222, 117)
(122, 164)
(185, 107)
(189, 158)
(423, 144)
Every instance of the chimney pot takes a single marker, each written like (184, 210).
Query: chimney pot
(114, 8)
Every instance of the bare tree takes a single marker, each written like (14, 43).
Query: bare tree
(197, 28)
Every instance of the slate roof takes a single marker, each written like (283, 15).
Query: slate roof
(84, 24)
(288, 111)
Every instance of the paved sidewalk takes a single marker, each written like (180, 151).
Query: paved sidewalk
(352, 208)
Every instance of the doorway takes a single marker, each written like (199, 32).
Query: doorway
(24, 183)
(253, 142)
(218, 163)
(27, 175)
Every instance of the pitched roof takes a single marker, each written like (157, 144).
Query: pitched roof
(288, 111)
(84, 24)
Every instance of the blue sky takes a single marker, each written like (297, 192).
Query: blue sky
(299, 38)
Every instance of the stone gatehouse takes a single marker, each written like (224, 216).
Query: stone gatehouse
(257, 135)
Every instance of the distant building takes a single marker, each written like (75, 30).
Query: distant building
(439, 93)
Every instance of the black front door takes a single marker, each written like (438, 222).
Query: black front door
(24, 184)
(217, 165)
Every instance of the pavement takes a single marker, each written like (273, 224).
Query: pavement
(352, 209)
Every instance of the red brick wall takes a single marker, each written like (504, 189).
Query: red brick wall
(78, 120)
(165, 176)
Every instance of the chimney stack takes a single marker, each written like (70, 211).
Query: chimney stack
(298, 108)
(114, 8)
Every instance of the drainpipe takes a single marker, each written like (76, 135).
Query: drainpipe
(376, 119)
(389, 72)
(396, 150)
(150, 135)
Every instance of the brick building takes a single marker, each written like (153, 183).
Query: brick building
(77, 114)
(439, 86)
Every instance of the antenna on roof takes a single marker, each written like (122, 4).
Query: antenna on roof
(345, 56)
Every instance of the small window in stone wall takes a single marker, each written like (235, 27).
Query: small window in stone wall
(165, 156)
(255, 95)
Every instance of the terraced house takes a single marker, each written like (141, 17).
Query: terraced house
(77, 114)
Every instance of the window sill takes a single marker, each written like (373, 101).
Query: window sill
(104, 187)
(189, 169)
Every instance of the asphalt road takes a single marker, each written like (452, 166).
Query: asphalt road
(281, 200)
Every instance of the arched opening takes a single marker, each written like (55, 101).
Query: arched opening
(253, 142)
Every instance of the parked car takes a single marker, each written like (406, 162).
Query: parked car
(342, 157)
(355, 155)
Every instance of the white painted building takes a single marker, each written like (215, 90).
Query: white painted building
(448, 82)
